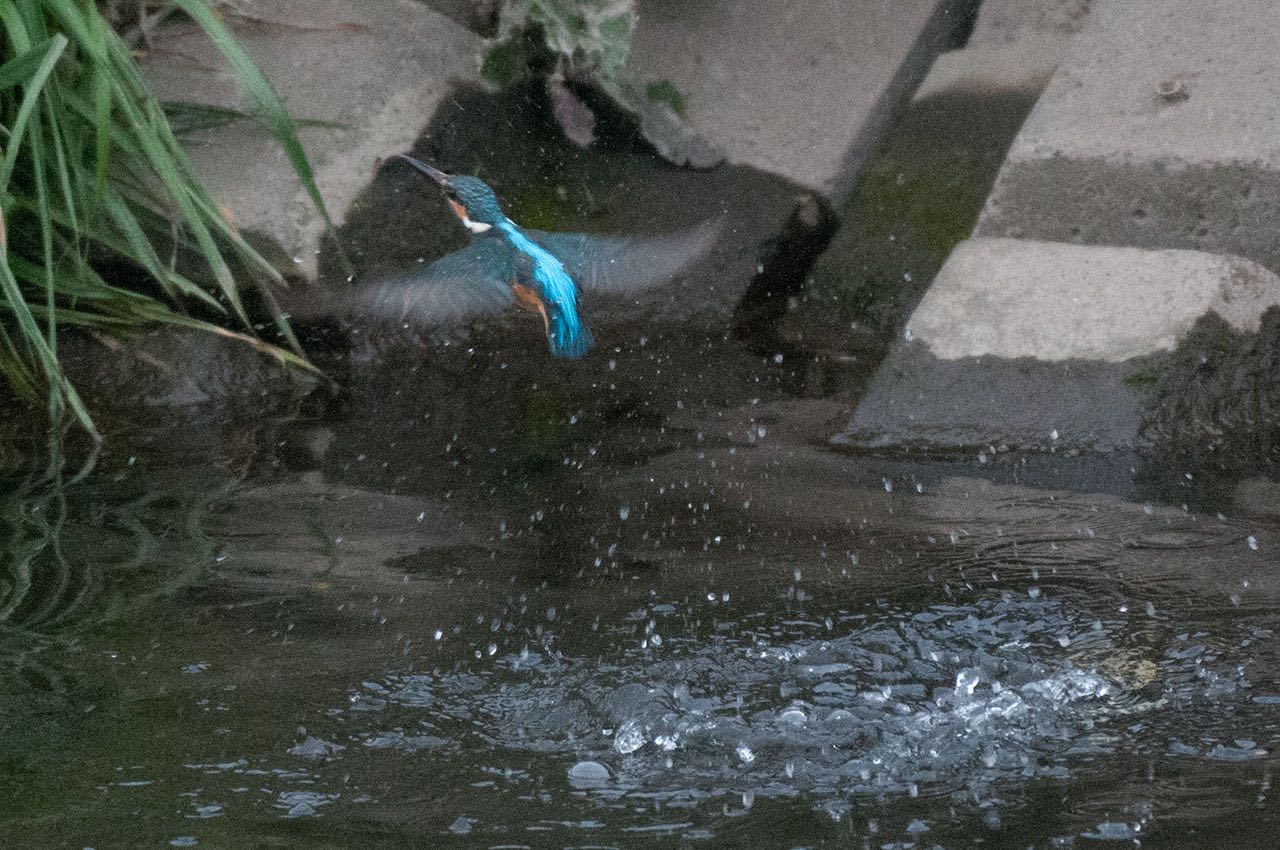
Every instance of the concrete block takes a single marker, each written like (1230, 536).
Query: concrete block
(1158, 130)
(1028, 344)
(798, 89)
(1024, 65)
(379, 69)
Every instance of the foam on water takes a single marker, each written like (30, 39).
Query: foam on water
(889, 702)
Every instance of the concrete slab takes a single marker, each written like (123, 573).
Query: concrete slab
(1024, 65)
(1161, 129)
(1028, 344)
(380, 69)
(798, 89)
(1015, 46)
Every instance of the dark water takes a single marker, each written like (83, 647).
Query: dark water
(492, 601)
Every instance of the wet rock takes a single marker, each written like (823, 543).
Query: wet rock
(1024, 344)
(1215, 402)
(395, 61)
(800, 90)
(176, 368)
(1158, 130)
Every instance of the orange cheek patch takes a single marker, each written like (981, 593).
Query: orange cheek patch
(458, 209)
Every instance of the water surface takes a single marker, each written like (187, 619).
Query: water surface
(483, 601)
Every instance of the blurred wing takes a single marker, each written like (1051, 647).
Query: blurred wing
(621, 265)
(467, 283)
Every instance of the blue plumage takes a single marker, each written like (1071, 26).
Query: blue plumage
(567, 336)
(553, 294)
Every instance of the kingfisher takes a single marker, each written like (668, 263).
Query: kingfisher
(539, 272)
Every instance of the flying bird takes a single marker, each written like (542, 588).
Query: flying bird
(506, 265)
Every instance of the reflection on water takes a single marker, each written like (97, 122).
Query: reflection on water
(623, 603)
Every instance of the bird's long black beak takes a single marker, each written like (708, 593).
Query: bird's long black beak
(434, 173)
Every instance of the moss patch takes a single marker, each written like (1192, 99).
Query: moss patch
(919, 195)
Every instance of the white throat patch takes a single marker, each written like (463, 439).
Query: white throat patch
(476, 226)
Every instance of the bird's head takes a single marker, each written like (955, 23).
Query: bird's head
(470, 198)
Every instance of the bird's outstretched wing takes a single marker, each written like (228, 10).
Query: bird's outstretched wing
(622, 265)
(471, 282)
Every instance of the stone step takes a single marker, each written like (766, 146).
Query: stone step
(1030, 344)
(1158, 130)
(379, 70)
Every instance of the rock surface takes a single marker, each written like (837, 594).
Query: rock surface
(798, 89)
(1029, 344)
(378, 69)
(1159, 130)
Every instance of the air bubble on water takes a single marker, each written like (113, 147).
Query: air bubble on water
(422, 515)
(724, 596)
(1064, 641)
(1235, 599)
(588, 774)
(777, 358)
(789, 769)
(1253, 542)
(919, 486)
(908, 335)
(916, 827)
(748, 798)
(954, 537)
(439, 634)
(1151, 609)
(1033, 592)
(744, 753)
(1148, 509)
(493, 648)
(624, 513)
(794, 715)
(888, 485)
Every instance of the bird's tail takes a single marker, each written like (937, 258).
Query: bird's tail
(567, 336)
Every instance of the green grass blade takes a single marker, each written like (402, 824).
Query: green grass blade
(30, 99)
(258, 88)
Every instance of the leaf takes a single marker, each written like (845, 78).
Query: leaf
(574, 116)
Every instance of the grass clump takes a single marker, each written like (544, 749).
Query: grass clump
(91, 173)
